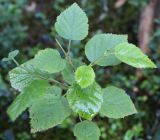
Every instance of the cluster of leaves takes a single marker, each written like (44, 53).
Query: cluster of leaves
(42, 93)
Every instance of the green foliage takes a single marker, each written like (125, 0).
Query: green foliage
(86, 130)
(49, 60)
(68, 74)
(23, 75)
(11, 55)
(133, 132)
(41, 91)
(68, 71)
(29, 95)
(100, 49)
(86, 102)
(48, 112)
(116, 103)
(84, 76)
(72, 24)
(131, 55)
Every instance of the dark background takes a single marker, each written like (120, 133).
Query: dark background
(28, 25)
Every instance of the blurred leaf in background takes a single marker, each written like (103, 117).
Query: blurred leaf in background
(13, 32)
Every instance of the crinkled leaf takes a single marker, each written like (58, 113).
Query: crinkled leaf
(84, 76)
(22, 76)
(85, 102)
(30, 94)
(100, 49)
(72, 24)
(132, 55)
(116, 103)
(13, 54)
(86, 130)
(49, 60)
(48, 112)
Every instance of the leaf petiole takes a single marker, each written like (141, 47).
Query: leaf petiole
(61, 47)
(58, 83)
(69, 47)
(14, 60)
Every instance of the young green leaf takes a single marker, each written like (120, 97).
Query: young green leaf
(22, 76)
(13, 54)
(100, 49)
(49, 60)
(131, 55)
(72, 24)
(116, 103)
(85, 102)
(86, 130)
(6, 59)
(29, 95)
(48, 112)
(84, 76)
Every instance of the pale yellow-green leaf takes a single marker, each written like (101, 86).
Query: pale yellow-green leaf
(85, 102)
(84, 76)
(132, 55)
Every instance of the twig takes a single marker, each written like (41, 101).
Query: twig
(61, 47)
(66, 53)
